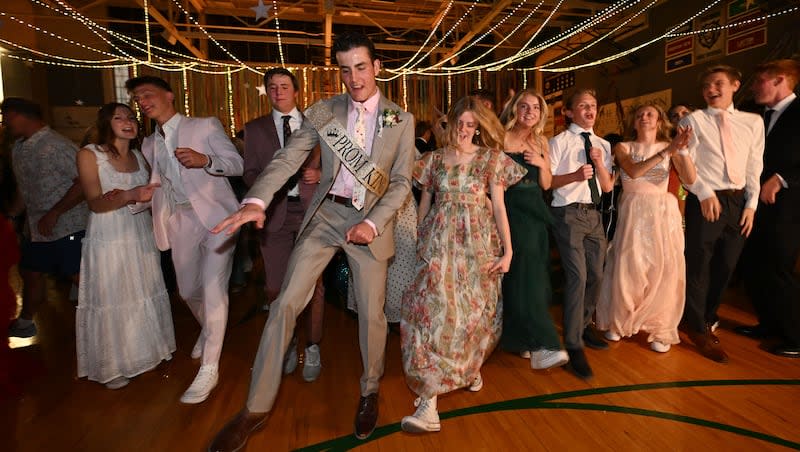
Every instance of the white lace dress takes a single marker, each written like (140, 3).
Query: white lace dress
(123, 323)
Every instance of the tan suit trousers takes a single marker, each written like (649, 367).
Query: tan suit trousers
(322, 238)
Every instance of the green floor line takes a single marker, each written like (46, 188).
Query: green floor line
(546, 401)
(672, 417)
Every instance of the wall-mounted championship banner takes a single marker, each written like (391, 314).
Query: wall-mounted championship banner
(749, 28)
(679, 50)
(710, 44)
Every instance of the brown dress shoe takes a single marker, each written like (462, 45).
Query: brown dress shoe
(708, 345)
(367, 415)
(710, 331)
(234, 435)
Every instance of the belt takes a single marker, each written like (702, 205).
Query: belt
(582, 205)
(340, 199)
(730, 192)
(293, 198)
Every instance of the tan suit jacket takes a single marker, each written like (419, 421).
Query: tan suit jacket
(392, 150)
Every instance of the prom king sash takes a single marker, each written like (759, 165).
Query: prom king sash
(344, 147)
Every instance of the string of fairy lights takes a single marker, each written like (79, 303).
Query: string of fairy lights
(199, 65)
(622, 12)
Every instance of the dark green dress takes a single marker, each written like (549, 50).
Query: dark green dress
(527, 323)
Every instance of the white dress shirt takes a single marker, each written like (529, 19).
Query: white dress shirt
(705, 149)
(344, 182)
(567, 155)
(295, 121)
(168, 164)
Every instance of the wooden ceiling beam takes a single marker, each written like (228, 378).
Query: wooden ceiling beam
(199, 5)
(327, 8)
(399, 21)
(483, 24)
(91, 5)
(170, 27)
(303, 41)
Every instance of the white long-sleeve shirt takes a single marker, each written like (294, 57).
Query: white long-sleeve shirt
(705, 149)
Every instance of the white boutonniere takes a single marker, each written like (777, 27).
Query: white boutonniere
(389, 118)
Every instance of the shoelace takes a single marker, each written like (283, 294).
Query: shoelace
(423, 402)
(312, 359)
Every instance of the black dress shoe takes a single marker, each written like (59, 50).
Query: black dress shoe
(367, 415)
(787, 351)
(757, 331)
(592, 339)
(578, 363)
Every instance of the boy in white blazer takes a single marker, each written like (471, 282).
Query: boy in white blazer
(190, 159)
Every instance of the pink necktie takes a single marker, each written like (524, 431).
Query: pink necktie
(727, 148)
(360, 132)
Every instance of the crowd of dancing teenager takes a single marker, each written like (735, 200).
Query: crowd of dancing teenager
(463, 267)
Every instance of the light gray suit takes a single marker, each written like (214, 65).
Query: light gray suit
(323, 233)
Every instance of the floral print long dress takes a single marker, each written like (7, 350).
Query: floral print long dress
(452, 312)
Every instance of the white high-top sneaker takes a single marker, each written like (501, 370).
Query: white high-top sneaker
(202, 385)
(312, 365)
(425, 419)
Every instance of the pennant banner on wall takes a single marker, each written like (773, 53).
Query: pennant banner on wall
(752, 33)
(679, 51)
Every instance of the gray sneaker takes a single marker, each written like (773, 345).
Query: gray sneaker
(312, 364)
(290, 358)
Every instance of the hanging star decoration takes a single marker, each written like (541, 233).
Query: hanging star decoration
(79, 102)
(262, 90)
(260, 10)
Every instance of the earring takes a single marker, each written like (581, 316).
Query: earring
(477, 132)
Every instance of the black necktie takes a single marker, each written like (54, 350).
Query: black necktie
(287, 128)
(287, 132)
(767, 119)
(587, 147)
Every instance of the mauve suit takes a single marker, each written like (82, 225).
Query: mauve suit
(261, 141)
(323, 233)
(202, 260)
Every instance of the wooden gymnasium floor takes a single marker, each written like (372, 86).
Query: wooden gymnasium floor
(638, 400)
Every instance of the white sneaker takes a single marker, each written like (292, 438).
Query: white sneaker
(545, 359)
(312, 364)
(477, 384)
(659, 347)
(119, 382)
(612, 336)
(525, 354)
(202, 385)
(290, 358)
(197, 350)
(425, 419)
(714, 326)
